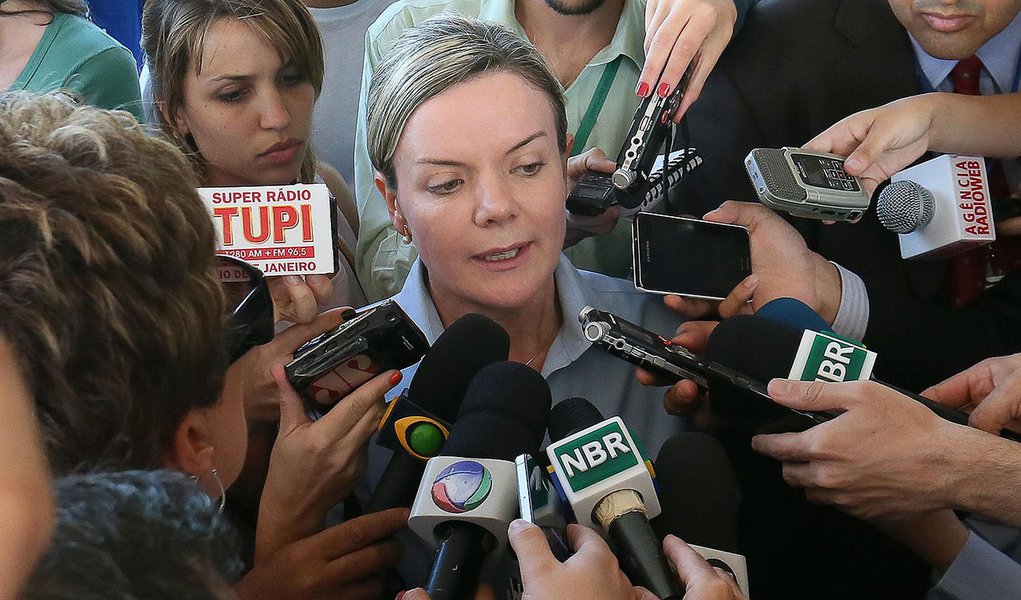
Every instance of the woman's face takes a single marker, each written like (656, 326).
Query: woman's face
(481, 185)
(249, 113)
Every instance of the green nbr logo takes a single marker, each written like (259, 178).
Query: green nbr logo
(595, 456)
(823, 357)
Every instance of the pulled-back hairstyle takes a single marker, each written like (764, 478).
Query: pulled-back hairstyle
(107, 289)
(173, 32)
(433, 57)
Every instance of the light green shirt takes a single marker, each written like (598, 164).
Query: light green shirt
(77, 55)
(383, 258)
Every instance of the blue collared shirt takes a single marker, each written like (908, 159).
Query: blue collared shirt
(572, 368)
(999, 58)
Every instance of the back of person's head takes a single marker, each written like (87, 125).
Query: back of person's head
(433, 57)
(107, 287)
(173, 34)
(136, 535)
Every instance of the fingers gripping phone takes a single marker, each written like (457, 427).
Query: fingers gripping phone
(332, 365)
(689, 257)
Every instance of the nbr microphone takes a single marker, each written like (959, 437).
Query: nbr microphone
(606, 481)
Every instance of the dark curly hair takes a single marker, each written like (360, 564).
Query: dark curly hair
(107, 288)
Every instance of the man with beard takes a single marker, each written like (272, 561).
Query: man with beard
(608, 54)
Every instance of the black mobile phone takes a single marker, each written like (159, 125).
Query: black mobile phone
(332, 365)
(741, 401)
(689, 257)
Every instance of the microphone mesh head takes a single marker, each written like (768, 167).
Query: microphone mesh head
(571, 416)
(905, 206)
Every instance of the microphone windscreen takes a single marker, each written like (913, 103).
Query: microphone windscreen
(754, 350)
(461, 351)
(698, 492)
(504, 414)
(794, 314)
(905, 206)
(571, 416)
(757, 348)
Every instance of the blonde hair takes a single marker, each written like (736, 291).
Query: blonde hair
(433, 57)
(173, 33)
(107, 287)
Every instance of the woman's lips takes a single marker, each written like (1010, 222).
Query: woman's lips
(283, 152)
(502, 258)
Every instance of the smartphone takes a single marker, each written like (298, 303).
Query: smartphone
(332, 365)
(689, 257)
(540, 504)
(806, 184)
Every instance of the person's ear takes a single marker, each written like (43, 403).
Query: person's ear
(179, 119)
(390, 195)
(191, 447)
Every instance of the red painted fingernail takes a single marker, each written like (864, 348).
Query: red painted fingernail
(396, 378)
(664, 90)
(642, 90)
(400, 594)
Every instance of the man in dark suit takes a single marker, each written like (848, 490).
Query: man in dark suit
(797, 67)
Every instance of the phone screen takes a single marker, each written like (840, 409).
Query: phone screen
(689, 257)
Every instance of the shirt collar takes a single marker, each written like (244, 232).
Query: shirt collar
(415, 300)
(628, 39)
(999, 57)
(570, 342)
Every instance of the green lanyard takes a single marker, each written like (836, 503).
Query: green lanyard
(595, 105)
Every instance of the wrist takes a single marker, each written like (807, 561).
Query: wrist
(827, 288)
(985, 476)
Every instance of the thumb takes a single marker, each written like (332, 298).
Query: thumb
(532, 549)
(1001, 408)
(811, 395)
(292, 409)
(746, 214)
(415, 594)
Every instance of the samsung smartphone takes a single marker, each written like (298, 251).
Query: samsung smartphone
(806, 184)
(689, 257)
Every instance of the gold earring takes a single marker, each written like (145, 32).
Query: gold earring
(406, 234)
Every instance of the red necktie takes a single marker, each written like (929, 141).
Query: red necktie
(968, 270)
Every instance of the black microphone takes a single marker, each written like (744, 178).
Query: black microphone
(469, 495)
(762, 349)
(700, 498)
(417, 422)
(606, 481)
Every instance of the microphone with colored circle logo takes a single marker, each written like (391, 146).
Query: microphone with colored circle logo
(418, 421)
(609, 486)
(469, 495)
